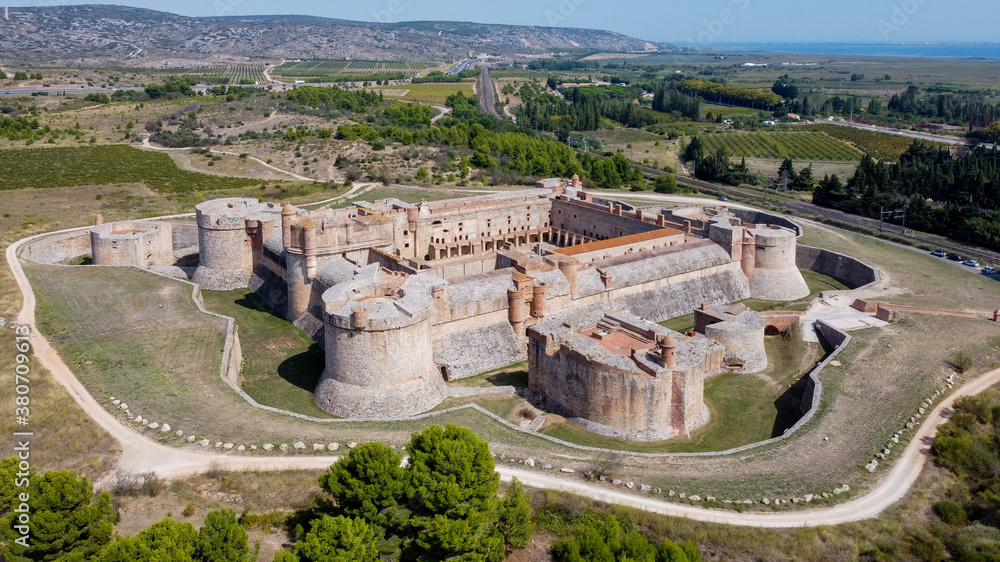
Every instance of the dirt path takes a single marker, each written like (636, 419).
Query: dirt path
(143, 454)
(147, 146)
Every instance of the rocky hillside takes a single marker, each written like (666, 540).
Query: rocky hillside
(102, 34)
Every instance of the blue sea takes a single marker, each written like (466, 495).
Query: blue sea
(937, 50)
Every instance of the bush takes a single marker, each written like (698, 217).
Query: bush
(961, 361)
(951, 513)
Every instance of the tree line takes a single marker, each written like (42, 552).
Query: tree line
(944, 193)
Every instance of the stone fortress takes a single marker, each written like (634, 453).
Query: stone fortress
(404, 297)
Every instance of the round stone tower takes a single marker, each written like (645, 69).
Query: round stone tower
(226, 260)
(379, 353)
(776, 276)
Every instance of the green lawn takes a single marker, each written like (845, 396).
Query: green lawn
(817, 283)
(133, 335)
(281, 365)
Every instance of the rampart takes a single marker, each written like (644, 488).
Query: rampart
(852, 271)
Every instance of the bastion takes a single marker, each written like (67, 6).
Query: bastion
(378, 348)
(739, 330)
(138, 244)
(623, 376)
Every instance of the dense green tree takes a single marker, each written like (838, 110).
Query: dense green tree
(666, 183)
(804, 180)
(9, 480)
(164, 541)
(514, 519)
(452, 490)
(67, 521)
(222, 538)
(338, 539)
(367, 482)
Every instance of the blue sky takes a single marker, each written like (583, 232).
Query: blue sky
(678, 21)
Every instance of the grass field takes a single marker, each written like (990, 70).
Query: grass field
(433, 93)
(135, 336)
(805, 146)
(727, 111)
(40, 168)
(880, 146)
(281, 365)
(744, 408)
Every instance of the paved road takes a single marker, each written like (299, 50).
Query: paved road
(464, 65)
(140, 453)
(487, 94)
(444, 111)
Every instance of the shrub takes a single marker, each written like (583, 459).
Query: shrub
(951, 513)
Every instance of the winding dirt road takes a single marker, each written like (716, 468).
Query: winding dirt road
(142, 454)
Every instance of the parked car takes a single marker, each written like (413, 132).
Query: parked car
(971, 263)
(955, 257)
(723, 198)
(989, 270)
(939, 253)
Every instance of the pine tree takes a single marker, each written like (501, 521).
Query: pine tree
(514, 520)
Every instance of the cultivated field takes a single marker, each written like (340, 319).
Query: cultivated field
(804, 146)
(319, 68)
(880, 146)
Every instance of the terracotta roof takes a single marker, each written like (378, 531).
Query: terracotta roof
(616, 242)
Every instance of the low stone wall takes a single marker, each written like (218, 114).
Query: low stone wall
(58, 248)
(232, 352)
(850, 270)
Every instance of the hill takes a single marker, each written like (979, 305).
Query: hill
(126, 36)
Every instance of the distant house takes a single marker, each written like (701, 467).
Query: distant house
(795, 116)
(768, 123)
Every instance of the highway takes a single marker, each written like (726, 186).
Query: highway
(487, 94)
(464, 65)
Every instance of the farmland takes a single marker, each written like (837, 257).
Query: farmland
(216, 74)
(430, 93)
(880, 146)
(319, 68)
(800, 146)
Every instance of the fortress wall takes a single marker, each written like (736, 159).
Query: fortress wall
(184, 235)
(474, 346)
(678, 295)
(58, 248)
(478, 295)
(753, 216)
(594, 221)
(850, 270)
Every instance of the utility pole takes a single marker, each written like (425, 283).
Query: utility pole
(900, 213)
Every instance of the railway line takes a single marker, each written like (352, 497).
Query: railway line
(803, 208)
